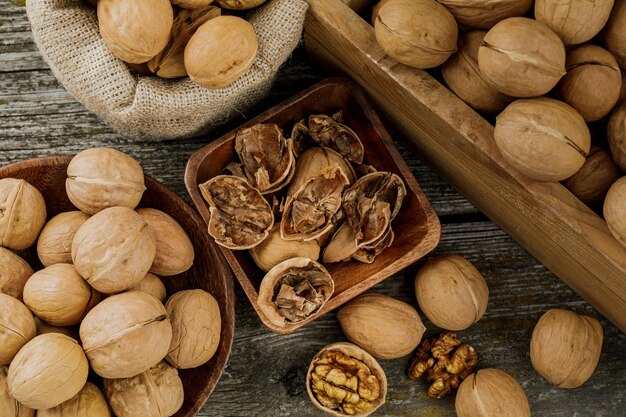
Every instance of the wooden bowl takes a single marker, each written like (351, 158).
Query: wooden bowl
(416, 226)
(209, 271)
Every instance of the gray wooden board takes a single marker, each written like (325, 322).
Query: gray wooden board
(265, 375)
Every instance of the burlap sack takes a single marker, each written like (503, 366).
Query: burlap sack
(148, 107)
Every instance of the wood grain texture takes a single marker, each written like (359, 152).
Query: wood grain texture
(552, 224)
(266, 372)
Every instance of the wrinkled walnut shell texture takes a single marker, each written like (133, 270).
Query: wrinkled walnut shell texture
(489, 393)
(17, 327)
(89, 402)
(54, 245)
(593, 180)
(615, 210)
(574, 21)
(22, 213)
(152, 285)
(8, 404)
(617, 135)
(14, 272)
(481, 14)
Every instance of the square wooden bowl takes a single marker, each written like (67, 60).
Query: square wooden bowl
(416, 227)
(209, 271)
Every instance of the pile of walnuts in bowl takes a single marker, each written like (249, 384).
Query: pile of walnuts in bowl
(555, 80)
(181, 38)
(98, 303)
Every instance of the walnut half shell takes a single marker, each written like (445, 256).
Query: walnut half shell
(240, 217)
(294, 290)
(343, 379)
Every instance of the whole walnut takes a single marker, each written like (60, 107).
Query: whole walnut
(196, 328)
(59, 295)
(17, 327)
(48, 370)
(617, 135)
(614, 34)
(543, 138)
(8, 404)
(114, 249)
(152, 285)
(521, 57)
(23, 212)
(14, 272)
(174, 252)
(126, 334)
(481, 14)
(99, 178)
(592, 83)
(239, 4)
(135, 31)
(591, 183)
(451, 292)
(418, 33)
(489, 393)
(574, 21)
(191, 4)
(565, 347)
(89, 402)
(157, 392)
(385, 327)
(54, 245)
(615, 210)
(221, 51)
(463, 77)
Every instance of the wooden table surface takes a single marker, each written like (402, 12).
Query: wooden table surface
(266, 372)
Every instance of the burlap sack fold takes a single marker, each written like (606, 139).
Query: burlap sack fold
(148, 107)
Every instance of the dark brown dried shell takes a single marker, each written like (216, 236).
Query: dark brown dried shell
(368, 254)
(266, 156)
(371, 203)
(310, 211)
(240, 217)
(327, 131)
(315, 160)
(294, 290)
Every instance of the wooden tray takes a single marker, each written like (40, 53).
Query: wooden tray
(418, 234)
(209, 271)
(545, 218)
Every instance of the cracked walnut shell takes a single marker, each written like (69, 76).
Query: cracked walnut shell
(157, 392)
(126, 334)
(89, 402)
(565, 347)
(100, 178)
(48, 370)
(17, 327)
(543, 138)
(343, 379)
(294, 290)
(174, 250)
(14, 272)
(274, 250)
(8, 404)
(490, 393)
(267, 158)
(419, 33)
(114, 249)
(54, 245)
(196, 327)
(137, 30)
(221, 51)
(58, 295)
(451, 292)
(22, 213)
(328, 131)
(313, 161)
(521, 57)
(240, 217)
(385, 327)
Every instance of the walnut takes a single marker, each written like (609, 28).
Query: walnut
(152, 285)
(47, 371)
(17, 327)
(8, 404)
(593, 180)
(446, 363)
(54, 245)
(174, 250)
(314, 160)
(239, 4)
(491, 392)
(614, 210)
(240, 217)
(99, 178)
(89, 402)
(14, 272)
(294, 290)
(343, 379)
(196, 327)
(309, 211)
(330, 132)
(275, 250)
(22, 213)
(267, 157)
(614, 35)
